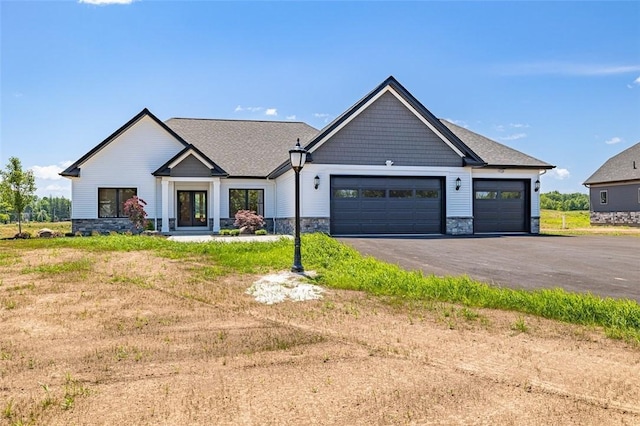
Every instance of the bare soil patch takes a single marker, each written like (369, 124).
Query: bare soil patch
(130, 338)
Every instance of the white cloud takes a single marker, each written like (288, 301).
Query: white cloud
(519, 126)
(460, 123)
(271, 111)
(240, 108)
(50, 172)
(291, 117)
(514, 137)
(635, 83)
(569, 68)
(105, 2)
(559, 174)
(614, 140)
(324, 116)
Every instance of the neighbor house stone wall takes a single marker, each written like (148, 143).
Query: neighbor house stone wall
(459, 226)
(307, 225)
(615, 218)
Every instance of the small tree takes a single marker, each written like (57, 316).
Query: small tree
(17, 188)
(248, 221)
(134, 209)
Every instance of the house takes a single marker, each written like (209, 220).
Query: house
(385, 166)
(614, 190)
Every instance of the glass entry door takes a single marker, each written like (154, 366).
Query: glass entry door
(192, 208)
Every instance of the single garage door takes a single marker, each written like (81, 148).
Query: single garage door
(500, 206)
(386, 205)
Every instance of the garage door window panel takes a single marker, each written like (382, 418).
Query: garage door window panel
(400, 193)
(427, 193)
(345, 193)
(486, 195)
(374, 193)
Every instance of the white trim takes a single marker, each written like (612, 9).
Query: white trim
(369, 103)
(190, 151)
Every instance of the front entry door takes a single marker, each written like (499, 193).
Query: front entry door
(192, 208)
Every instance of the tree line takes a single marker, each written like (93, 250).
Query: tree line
(18, 201)
(565, 202)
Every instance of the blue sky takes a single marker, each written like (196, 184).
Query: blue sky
(556, 80)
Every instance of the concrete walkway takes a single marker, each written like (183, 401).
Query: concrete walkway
(227, 239)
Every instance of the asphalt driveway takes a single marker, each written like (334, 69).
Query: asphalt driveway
(602, 265)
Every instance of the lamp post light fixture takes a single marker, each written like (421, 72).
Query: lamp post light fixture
(297, 157)
(537, 185)
(458, 184)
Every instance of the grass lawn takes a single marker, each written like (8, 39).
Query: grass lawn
(577, 223)
(11, 229)
(141, 330)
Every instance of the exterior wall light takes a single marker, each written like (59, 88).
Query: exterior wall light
(316, 182)
(297, 156)
(458, 184)
(537, 185)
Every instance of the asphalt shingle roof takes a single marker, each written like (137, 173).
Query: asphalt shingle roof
(243, 147)
(619, 168)
(494, 153)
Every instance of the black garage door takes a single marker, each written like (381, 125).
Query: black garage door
(500, 206)
(386, 205)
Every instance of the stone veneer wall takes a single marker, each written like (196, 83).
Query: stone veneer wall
(307, 225)
(615, 218)
(102, 225)
(459, 226)
(535, 225)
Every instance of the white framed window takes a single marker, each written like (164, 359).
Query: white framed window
(604, 196)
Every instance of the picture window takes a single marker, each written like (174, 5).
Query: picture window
(111, 201)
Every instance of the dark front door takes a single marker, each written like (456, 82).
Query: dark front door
(192, 208)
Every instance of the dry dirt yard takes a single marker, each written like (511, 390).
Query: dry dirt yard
(130, 338)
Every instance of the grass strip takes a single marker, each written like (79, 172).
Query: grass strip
(342, 267)
(345, 268)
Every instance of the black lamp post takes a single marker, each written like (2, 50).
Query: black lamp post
(297, 156)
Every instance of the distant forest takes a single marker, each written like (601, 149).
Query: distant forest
(45, 209)
(565, 202)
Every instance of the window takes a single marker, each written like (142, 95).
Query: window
(246, 199)
(401, 193)
(373, 193)
(486, 195)
(111, 201)
(638, 195)
(603, 197)
(345, 193)
(427, 193)
(511, 195)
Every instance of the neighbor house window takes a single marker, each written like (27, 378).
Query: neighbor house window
(246, 199)
(638, 195)
(603, 197)
(111, 201)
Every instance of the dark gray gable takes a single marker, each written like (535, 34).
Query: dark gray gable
(190, 167)
(387, 130)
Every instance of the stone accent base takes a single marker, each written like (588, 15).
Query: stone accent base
(535, 225)
(103, 225)
(459, 226)
(307, 225)
(615, 218)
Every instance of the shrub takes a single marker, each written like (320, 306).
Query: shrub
(234, 232)
(134, 209)
(248, 221)
(261, 232)
(225, 232)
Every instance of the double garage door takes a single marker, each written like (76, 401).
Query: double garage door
(415, 205)
(386, 205)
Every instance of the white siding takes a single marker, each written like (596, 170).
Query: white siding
(533, 175)
(285, 195)
(126, 162)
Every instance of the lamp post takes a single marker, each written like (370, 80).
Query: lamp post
(297, 156)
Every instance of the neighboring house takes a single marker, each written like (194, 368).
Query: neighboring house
(385, 166)
(614, 190)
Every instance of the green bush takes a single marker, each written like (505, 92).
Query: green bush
(261, 232)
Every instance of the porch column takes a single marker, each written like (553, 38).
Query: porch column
(165, 205)
(215, 208)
